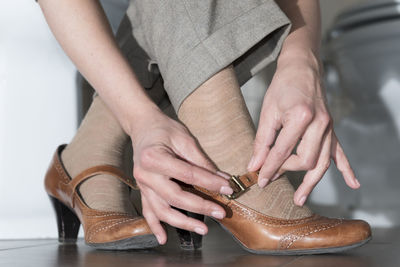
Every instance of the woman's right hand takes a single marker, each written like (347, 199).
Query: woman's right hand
(164, 149)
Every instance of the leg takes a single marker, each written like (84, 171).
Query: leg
(100, 140)
(217, 116)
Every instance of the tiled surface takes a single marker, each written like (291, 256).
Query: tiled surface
(218, 250)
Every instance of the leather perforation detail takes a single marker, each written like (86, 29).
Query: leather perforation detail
(289, 239)
(106, 225)
(61, 172)
(260, 218)
(105, 215)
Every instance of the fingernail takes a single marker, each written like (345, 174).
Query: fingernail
(251, 163)
(217, 214)
(263, 182)
(276, 176)
(302, 200)
(224, 175)
(159, 239)
(200, 231)
(226, 190)
(358, 183)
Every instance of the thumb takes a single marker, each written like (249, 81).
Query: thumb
(193, 154)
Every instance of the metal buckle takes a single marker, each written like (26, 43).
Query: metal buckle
(237, 186)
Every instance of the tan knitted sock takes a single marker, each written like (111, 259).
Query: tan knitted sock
(217, 116)
(100, 140)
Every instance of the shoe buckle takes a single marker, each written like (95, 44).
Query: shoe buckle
(238, 187)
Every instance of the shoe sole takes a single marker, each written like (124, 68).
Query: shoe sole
(299, 251)
(137, 242)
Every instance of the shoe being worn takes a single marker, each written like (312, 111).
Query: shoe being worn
(102, 229)
(262, 234)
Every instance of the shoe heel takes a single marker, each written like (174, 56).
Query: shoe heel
(190, 240)
(67, 222)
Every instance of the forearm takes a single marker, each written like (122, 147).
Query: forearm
(304, 40)
(82, 29)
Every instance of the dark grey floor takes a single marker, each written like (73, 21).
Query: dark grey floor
(218, 250)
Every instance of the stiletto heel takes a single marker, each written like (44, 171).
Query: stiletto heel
(190, 240)
(67, 222)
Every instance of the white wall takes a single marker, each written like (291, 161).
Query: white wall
(38, 112)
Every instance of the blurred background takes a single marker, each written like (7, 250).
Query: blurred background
(42, 100)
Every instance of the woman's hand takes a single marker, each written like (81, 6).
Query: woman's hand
(295, 112)
(164, 148)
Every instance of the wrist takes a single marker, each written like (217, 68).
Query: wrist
(301, 44)
(139, 115)
(301, 57)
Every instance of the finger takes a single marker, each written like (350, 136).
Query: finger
(175, 196)
(153, 222)
(342, 163)
(313, 176)
(191, 152)
(196, 204)
(308, 150)
(173, 217)
(278, 174)
(265, 137)
(282, 149)
(181, 221)
(166, 164)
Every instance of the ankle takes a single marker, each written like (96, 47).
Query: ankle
(106, 193)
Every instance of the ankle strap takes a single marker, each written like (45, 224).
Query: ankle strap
(102, 169)
(240, 184)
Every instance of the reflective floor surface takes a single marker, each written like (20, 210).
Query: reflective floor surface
(218, 250)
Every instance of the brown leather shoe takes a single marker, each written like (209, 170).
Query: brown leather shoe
(103, 229)
(262, 234)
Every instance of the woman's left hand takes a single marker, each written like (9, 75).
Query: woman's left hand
(295, 112)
